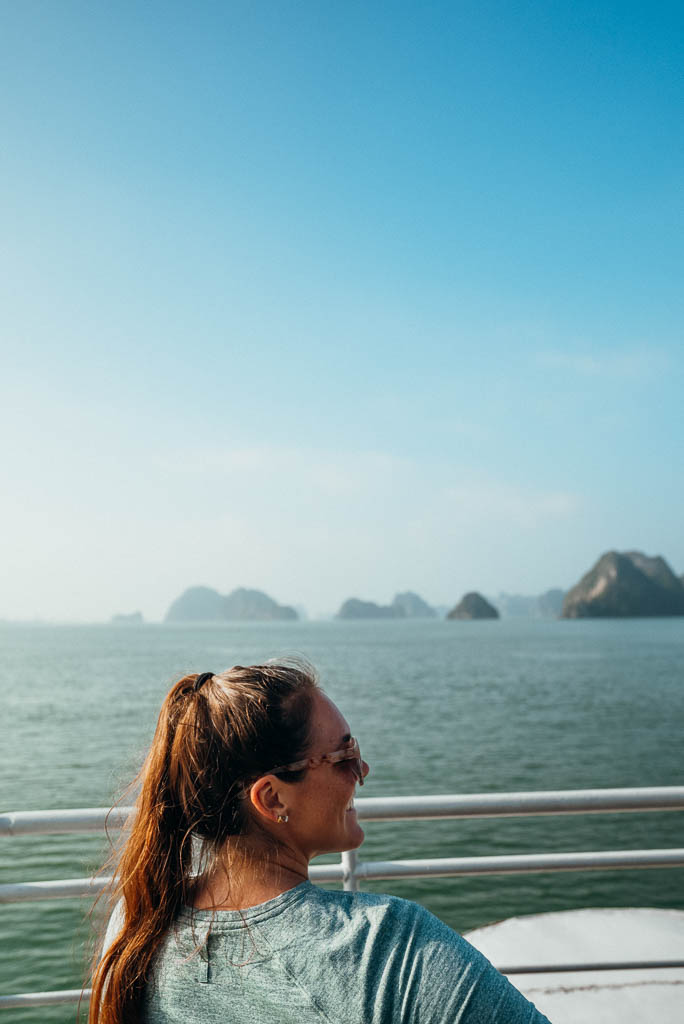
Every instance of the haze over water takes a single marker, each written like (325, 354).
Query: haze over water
(437, 706)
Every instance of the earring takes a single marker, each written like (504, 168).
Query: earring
(282, 818)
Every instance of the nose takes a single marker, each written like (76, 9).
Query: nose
(364, 768)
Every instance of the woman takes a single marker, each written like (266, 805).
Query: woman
(251, 773)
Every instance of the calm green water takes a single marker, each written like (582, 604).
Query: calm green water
(438, 707)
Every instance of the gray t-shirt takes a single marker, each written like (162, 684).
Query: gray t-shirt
(312, 956)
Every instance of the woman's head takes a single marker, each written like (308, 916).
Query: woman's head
(225, 739)
(215, 739)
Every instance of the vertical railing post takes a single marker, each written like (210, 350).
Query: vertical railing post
(349, 876)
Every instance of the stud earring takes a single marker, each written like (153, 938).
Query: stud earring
(282, 818)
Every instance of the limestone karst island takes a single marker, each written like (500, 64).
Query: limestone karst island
(626, 584)
(473, 606)
(202, 604)
(404, 606)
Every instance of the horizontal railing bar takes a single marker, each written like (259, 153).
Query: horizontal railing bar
(624, 965)
(67, 995)
(59, 889)
(74, 995)
(326, 872)
(439, 867)
(501, 805)
(397, 808)
(74, 888)
(79, 819)
(445, 867)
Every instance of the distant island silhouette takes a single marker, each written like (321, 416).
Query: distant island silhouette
(473, 606)
(404, 606)
(202, 604)
(545, 606)
(626, 584)
(414, 606)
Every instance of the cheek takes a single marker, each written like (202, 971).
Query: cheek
(315, 806)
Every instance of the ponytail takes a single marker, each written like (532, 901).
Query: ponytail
(149, 889)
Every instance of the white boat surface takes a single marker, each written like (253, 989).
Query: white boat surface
(594, 936)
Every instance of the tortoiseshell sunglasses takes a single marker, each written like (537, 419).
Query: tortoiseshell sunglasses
(350, 752)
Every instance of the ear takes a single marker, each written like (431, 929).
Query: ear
(267, 799)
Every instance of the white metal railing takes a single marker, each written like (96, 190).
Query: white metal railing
(395, 808)
(351, 871)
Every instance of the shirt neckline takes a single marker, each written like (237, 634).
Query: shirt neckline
(270, 908)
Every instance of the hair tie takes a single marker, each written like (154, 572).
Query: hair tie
(201, 680)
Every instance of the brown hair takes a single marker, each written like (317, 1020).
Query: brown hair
(208, 743)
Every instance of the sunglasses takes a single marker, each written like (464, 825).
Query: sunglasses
(350, 752)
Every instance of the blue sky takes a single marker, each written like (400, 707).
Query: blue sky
(336, 299)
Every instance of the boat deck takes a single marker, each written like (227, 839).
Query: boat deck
(594, 937)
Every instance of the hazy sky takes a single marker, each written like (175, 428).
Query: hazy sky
(336, 299)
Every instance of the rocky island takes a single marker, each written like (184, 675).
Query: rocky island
(202, 604)
(414, 606)
(544, 606)
(473, 606)
(550, 603)
(623, 585)
(404, 606)
(353, 608)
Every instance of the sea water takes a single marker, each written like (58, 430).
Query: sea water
(438, 707)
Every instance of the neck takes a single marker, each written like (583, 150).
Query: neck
(245, 878)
